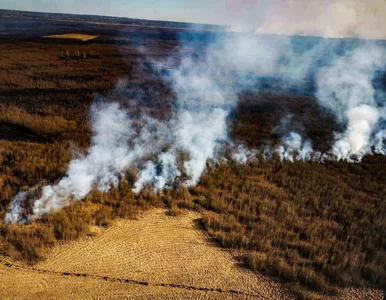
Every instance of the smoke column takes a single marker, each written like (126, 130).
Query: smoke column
(346, 89)
(196, 128)
(293, 148)
(108, 154)
(198, 122)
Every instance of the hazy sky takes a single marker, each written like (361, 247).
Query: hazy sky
(332, 18)
(203, 11)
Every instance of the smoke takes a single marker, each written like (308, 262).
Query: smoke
(346, 88)
(15, 210)
(163, 151)
(333, 19)
(198, 126)
(201, 112)
(345, 85)
(336, 19)
(294, 148)
(108, 155)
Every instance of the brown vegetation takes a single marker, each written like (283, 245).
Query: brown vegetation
(310, 224)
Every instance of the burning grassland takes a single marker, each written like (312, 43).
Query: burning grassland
(206, 92)
(261, 132)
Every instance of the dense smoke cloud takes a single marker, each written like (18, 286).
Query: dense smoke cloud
(333, 18)
(161, 150)
(336, 18)
(346, 88)
(109, 153)
(294, 148)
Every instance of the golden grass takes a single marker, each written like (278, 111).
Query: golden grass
(72, 36)
(40, 125)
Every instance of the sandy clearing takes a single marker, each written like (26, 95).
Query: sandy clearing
(156, 257)
(72, 36)
(160, 249)
(26, 284)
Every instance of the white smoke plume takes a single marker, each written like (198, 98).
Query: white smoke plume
(294, 148)
(243, 155)
(346, 88)
(198, 125)
(197, 129)
(115, 145)
(15, 210)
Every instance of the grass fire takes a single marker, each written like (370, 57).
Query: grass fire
(166, 159)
